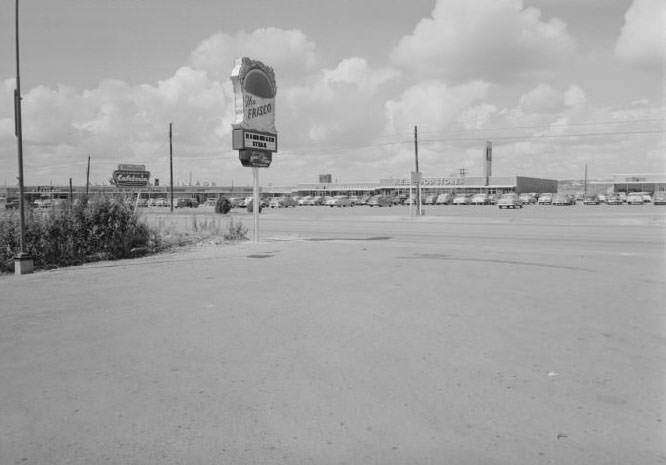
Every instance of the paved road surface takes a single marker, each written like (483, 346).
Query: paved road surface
(350, 337)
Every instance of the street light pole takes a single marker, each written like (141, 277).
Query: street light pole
(22, 262)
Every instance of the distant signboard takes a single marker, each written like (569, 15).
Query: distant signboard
(128, 167)
(130, 176)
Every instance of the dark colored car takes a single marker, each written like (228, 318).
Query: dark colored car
(12, 204)
(380, 201)
(181, 203)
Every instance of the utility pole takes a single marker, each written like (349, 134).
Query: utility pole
(88, 177)
(585, 185)
(23, 263)
(418, 174)
(171, 163)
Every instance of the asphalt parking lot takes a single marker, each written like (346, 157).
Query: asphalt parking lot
(470, 335)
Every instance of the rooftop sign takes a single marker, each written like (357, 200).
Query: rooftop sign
(130, 176)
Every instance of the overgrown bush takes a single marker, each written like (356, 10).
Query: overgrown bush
(97, 230)
(250, 206)
(223, 205)
(236, 231)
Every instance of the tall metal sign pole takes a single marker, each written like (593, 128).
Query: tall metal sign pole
(22, 263)
(253, 131)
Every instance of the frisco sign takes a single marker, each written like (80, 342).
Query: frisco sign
(253, 129)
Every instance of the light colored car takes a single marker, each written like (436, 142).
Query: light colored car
(591, 200)
(444, 199)
(462, 199)
(545, 199)
(338, 201)
(613, 200)
(635, 199)
(480, 199)
(659, 198)
(282, 202)
(561, 200)
(315, 200)
(510, 200)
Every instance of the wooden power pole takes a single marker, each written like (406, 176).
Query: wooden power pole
(171, 164)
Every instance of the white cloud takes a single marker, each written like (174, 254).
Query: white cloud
(642, 41)
(574, 96)
(339, 105)
(432, 104)
(483, 39)
(289, 52)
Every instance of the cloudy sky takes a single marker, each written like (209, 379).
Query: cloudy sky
(554, 84)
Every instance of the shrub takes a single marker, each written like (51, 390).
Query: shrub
(235, 231)
(250, 207)
(222, 205)
(68, 235)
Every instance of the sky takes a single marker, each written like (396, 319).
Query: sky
(555, 85)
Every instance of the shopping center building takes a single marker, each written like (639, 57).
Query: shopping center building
(629, 183)
(389, 186)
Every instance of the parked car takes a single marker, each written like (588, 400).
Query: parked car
(408, 201)
(602, 198)
(635, 199)
(185, 202)
(591, 200)
(161, 203)
(480, 199)
(380, 201)
(545, 199)
(659, 198)
(339, 201)
(445, 198)
(234, 201)
(561, 200)
(11, 204)
(510, 200)
(462, 199)
(282, 202)
(430, 199)
(528, 198)
(613, 200)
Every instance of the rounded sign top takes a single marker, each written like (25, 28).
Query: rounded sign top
(258, 83)
(254, 95)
